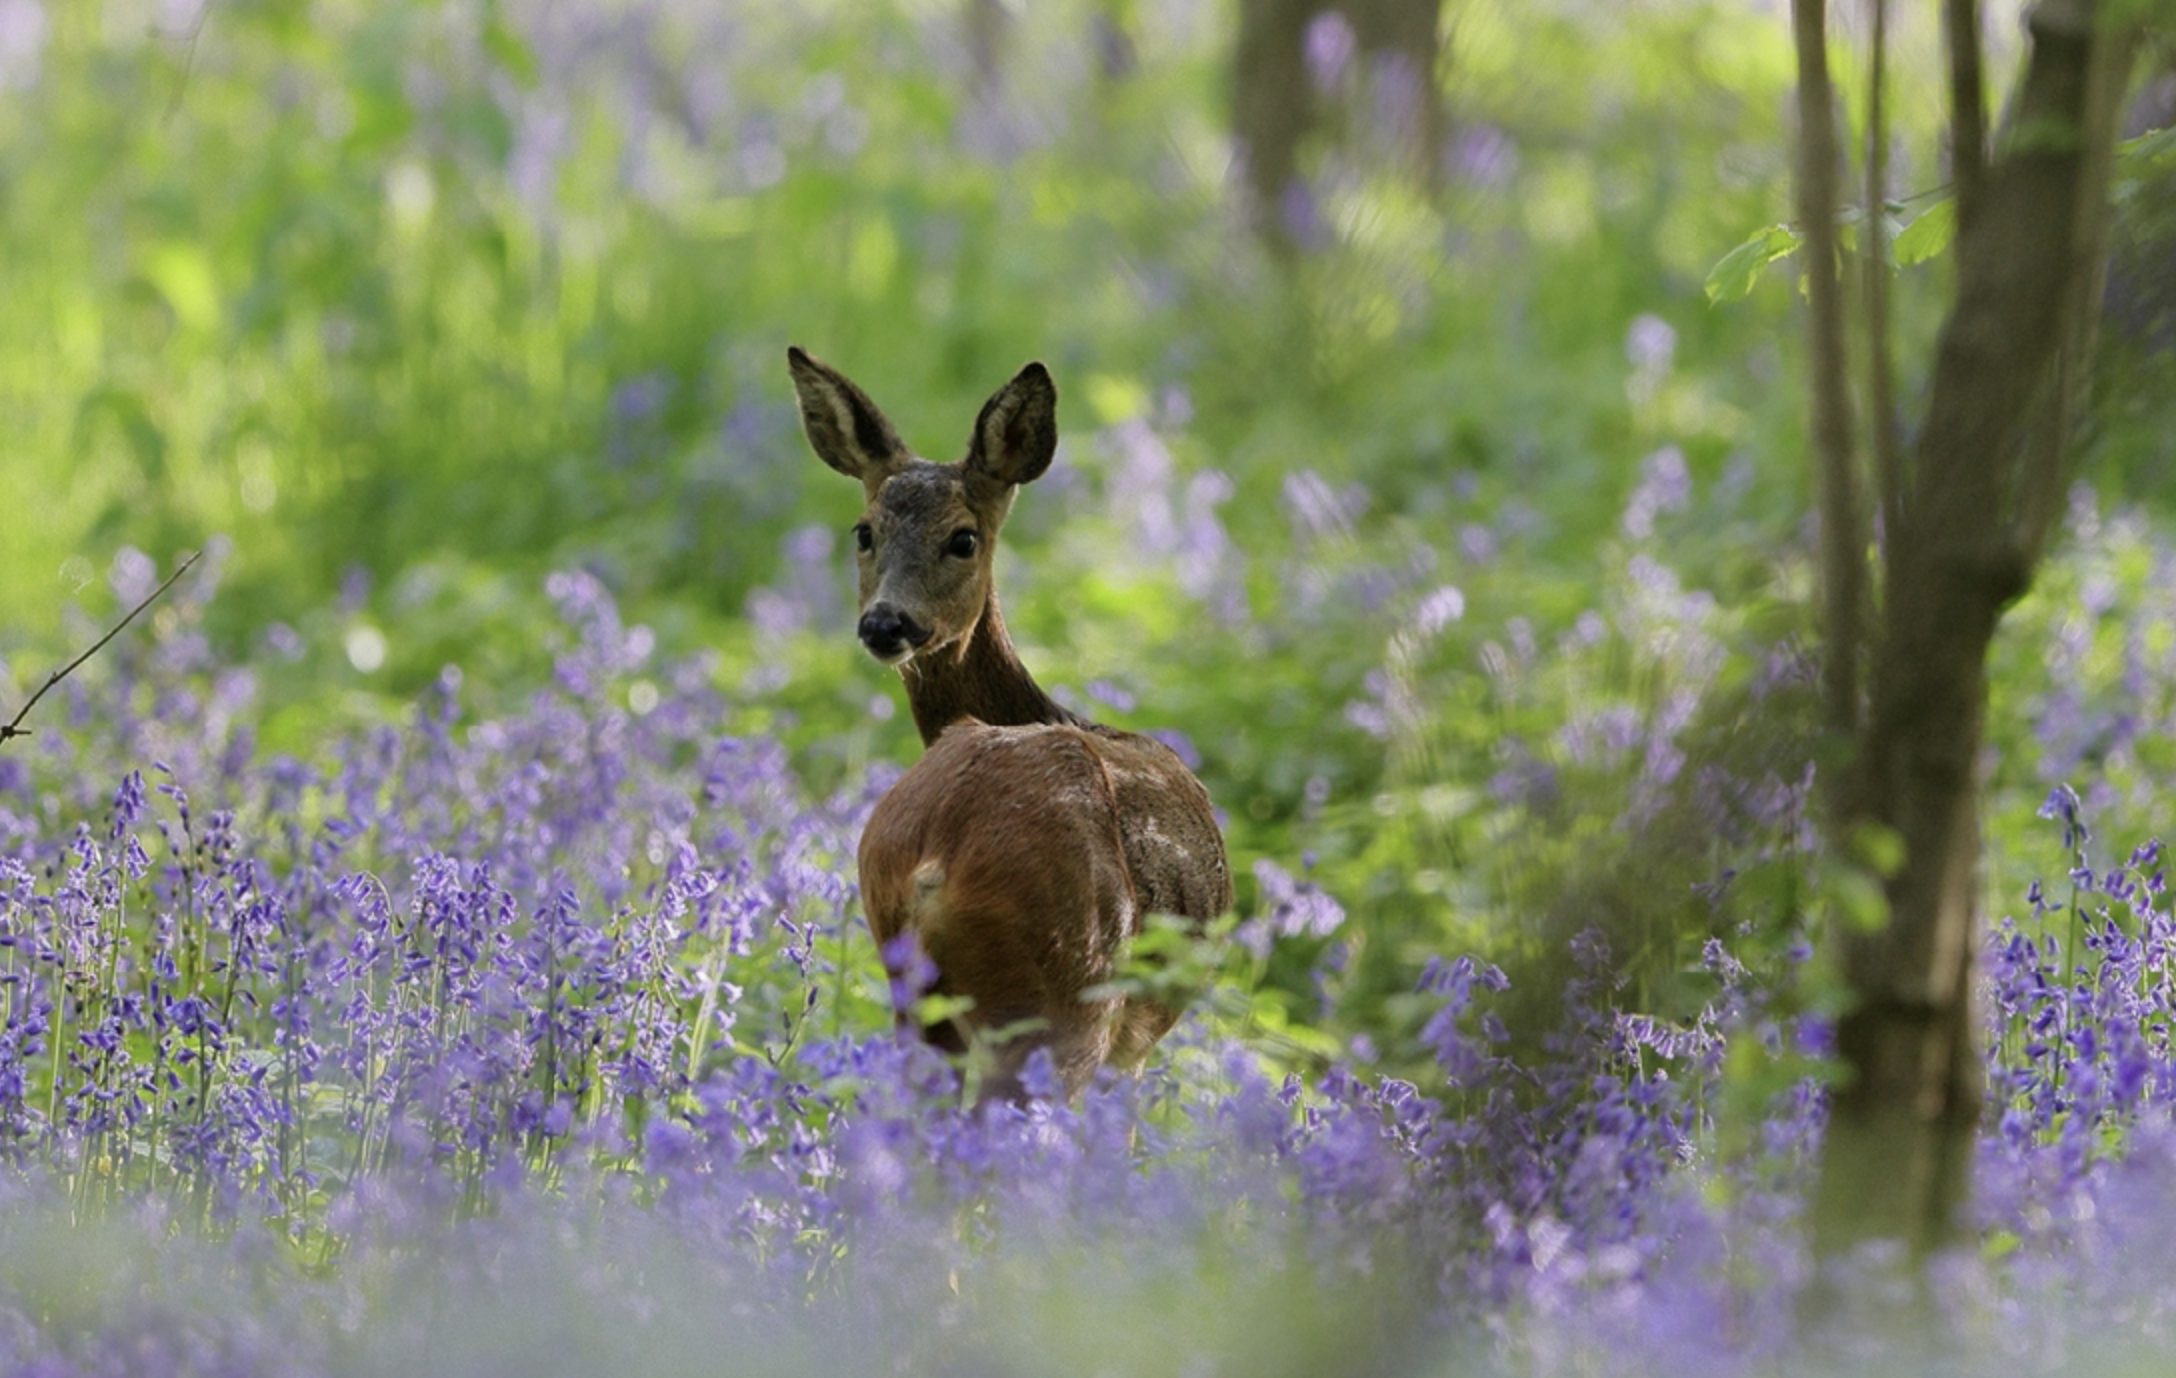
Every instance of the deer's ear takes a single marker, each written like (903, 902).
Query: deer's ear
(844, 427)
(1017, 432)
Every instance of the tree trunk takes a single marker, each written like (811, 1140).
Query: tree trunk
(1402, 43)
(1897, 1158)
(1272, 108)
(1843, 546)
(1874, 264)
(1275, 105)
(1967, 102)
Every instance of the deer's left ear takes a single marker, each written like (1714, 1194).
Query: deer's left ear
(1017, 432)
(844, 427)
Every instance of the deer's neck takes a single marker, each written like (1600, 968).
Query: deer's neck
(981, 677)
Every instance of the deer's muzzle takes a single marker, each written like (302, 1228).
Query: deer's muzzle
(890, 634)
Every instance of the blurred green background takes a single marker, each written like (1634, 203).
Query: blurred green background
(487, 288)
(1424, 491)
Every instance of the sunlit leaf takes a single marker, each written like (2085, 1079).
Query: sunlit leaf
(932, 1010)
(183, 275)
(1928, 235)
(2143, 159)
(1734, 275)
(2153, 146)
(1860, 901)
(1114, 398)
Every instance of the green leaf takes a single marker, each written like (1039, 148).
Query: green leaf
(1734, 275)
(182, 273)
(1860, 900)
(2142, 160)
(2045, 134)
(2145, 150)
(1929, 235)
(932, 1010)
(1115, 398)
(1879, 847)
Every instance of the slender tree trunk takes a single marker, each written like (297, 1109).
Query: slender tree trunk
(1275, 106)
(1967, 101)
(1402, 41)
(1880, 371)
(2047, 471)
(1843, 544)
(1272, 108)
(1897, 1157)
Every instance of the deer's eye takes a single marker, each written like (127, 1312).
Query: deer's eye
(961, 544)
(863, 540)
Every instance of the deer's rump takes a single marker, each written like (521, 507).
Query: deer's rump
(1022, 858)
(1174, 849)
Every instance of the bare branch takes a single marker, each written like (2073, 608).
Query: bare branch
(14, 728)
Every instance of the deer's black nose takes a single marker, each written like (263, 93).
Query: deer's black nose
(886, 631)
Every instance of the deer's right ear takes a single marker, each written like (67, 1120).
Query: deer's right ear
(1017, 432)
(844, 427)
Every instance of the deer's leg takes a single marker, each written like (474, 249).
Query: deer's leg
(1077, 1046)
(1030, 998)
(1140, 1024)
(950, 1035)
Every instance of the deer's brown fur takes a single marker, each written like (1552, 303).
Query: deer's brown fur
(1028, 844)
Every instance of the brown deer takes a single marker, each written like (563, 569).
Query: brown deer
(1028, 844)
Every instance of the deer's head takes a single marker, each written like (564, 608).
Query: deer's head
(924, 542)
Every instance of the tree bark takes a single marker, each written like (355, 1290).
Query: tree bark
(1967, 101)
(1275, 106)
(1272, 108)
(1402, 40)
(1880, 371)
(2047, 470)
(1897, 1158)
(1843, 544)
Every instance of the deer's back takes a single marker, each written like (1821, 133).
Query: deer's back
(1056, 819)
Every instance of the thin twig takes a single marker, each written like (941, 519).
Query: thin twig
(14, 727)
(189, 40)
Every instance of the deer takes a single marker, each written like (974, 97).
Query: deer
(1028, 845)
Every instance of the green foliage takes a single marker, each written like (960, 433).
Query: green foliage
(2140, 164)
(1735, 273)
(1928, 235)
(403, 306)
